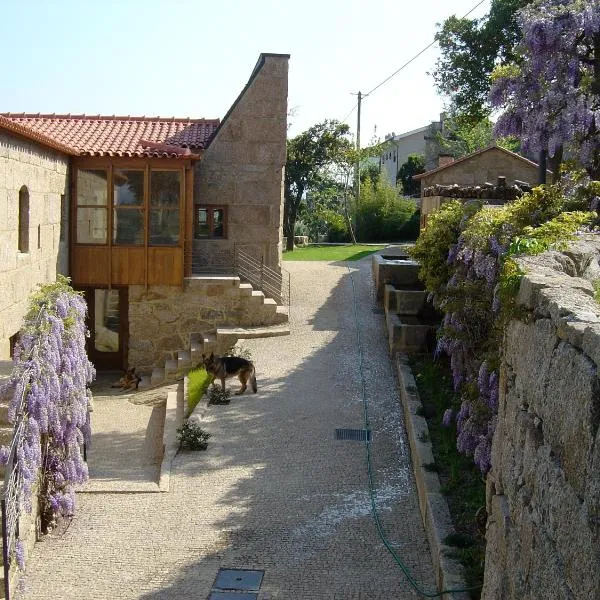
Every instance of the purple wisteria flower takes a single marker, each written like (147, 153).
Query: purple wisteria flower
(447, 418)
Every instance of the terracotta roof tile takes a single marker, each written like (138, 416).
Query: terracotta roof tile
(118, 135)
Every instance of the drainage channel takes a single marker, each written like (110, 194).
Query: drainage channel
(237, 584)
(355, 435)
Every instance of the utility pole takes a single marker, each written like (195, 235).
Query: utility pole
(357, 173)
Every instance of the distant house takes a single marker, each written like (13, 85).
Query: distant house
(476, 169)
(136, 210)
(399, 147)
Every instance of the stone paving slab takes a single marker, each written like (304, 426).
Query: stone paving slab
(127, 438)
(274, 491)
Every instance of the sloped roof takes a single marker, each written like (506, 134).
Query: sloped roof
(473, 155)
(87, 135)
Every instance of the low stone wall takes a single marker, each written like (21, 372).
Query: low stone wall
(543, 492)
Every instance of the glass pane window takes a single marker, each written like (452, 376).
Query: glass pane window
(165, 189)
(218, 222)
(164, 227)
(92, 187)
(210, 222)
(107, 321)
(128, 226)
(128, 187)
(91, 225)
(202, 229)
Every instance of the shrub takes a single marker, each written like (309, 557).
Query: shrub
(192, 436)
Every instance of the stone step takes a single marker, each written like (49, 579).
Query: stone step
(246, 289)
(3, 412)
(6, 434)
(145, 382)
(158, 376)
(226, 334)
(257, 296)
(171, 367)
(282, 315)
(205, 280)
(184, 359)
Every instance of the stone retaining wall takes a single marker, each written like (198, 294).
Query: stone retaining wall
(543, 492)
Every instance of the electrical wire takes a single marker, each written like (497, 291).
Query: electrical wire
(408, 62)
(417, 55)
(382, 536)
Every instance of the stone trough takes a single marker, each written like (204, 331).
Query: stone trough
(411, 322)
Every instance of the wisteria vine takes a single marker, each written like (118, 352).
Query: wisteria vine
(49, 383)
(551, 97)
(467, 264)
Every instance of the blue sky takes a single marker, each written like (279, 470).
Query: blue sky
(184, 58)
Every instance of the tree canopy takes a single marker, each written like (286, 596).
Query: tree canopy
(470, 49)
(309, 154)
(551, 96)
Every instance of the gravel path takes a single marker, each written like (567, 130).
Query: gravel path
(274, 491)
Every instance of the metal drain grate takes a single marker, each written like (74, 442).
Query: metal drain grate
(217, 595)
(356, 435)
(239, 580)
(378, 311)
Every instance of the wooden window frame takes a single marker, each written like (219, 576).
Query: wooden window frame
(210, 208)
(148, 166)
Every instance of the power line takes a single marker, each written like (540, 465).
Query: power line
(408, 62)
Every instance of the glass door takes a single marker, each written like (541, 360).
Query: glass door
(107, 322)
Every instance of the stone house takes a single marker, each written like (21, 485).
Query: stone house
(475, 169)
(148, 216)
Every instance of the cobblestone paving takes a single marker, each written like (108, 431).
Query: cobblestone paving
(274, 491)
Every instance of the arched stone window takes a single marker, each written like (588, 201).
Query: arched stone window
(24, 219)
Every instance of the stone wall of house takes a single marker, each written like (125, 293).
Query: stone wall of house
(486, 166)
(162, 318)
(44, 174)
(243, 169)
(543, 492)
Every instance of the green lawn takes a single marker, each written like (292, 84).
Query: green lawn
(198, 382)
(331, 253)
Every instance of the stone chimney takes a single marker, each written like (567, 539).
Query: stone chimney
(445, 159)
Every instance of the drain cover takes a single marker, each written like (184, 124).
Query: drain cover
(233, 596)
(357, 435)
(378, 311)
(239, 580)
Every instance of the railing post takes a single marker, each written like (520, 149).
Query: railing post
(262, 259)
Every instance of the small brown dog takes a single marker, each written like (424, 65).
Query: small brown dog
(129, 380)
(224, 367)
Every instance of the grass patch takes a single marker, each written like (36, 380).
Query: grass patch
(331, 253)
(198, 382)
(460, 478)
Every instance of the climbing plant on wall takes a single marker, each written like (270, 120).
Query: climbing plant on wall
(467, 263)
(49, 387)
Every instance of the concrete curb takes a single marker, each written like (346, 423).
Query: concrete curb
(433, 505)
(170, 442)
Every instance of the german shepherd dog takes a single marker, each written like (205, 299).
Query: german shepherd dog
(129, 380)
(224, 367)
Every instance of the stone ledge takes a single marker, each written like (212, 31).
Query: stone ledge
(170, 441)
(434, 508)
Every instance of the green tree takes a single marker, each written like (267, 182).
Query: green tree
(462, 136)
(384, 215)
(470, 49)
(414, 165)
(309, 155)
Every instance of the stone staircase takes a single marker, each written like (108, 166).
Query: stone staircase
(259, 317)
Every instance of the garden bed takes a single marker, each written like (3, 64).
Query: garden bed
(461, 480)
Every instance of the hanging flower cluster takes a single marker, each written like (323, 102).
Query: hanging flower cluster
(467, 264)
(551, 97)
(51, 374)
